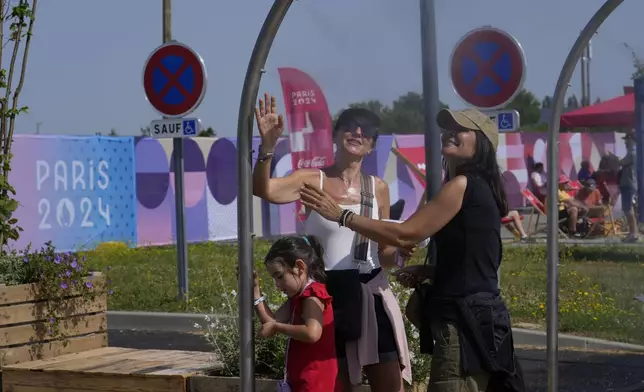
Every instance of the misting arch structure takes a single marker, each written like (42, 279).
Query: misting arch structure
(245, 208)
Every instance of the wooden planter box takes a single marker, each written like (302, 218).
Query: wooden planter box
(24, 325)
(231, 384)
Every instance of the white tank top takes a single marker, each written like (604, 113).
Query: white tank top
(338, 242)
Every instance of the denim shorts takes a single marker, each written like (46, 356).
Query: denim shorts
(627, 194)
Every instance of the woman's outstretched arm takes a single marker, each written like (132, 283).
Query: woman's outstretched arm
(424, 223)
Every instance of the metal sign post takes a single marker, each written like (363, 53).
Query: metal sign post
(174, 80)
(431, 100)
(553, 178)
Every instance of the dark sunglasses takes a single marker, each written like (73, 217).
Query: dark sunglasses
(367, 131)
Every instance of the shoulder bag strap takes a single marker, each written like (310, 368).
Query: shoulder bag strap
(366, 209)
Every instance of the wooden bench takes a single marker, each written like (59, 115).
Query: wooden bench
(31, 361)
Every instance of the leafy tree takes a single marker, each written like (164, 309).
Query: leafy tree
(638, 64)
(404, 116)
(528, 106)
(572, 102)
(208, 132)
(112, 132)
(16, 27)
(546, 102)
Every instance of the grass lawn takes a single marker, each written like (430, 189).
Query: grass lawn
(597, 285)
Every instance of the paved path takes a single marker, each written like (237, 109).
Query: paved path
(580, 371)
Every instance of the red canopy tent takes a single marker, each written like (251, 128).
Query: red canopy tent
(617, 112)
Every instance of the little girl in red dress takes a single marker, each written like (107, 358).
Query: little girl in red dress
(296, 265)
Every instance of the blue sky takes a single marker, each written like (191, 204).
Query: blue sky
(85, 67)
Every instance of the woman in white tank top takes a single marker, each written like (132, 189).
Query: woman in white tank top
(381, 348)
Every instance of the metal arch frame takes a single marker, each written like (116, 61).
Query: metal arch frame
(244, 202)
(553, 178)
(245, 196)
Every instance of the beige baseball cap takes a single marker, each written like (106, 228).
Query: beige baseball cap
(471, 119)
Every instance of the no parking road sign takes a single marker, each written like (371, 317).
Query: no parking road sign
(174, 79)
(487, 68)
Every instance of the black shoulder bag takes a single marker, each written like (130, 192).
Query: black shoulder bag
(344, 285)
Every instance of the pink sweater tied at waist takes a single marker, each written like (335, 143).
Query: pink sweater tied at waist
(364, 351)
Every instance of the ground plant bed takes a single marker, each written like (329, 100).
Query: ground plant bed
(597, 284)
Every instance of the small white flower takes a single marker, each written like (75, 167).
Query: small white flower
(213, 325)
(197, 326)
(212, 309)
(206, 318)
(234, 293)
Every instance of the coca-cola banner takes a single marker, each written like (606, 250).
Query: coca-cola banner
(309, 122)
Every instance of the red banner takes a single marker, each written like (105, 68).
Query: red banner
(309, 122)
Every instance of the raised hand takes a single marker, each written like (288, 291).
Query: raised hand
(270, 124)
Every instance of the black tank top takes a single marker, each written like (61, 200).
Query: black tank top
(469, 246)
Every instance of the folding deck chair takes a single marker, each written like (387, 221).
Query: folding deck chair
(607, 219)
(538, 206)
(507, 220)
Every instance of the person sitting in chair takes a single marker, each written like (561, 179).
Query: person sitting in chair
(592, 198)
(570, 209)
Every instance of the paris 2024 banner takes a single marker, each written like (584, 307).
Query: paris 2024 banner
(81, 191)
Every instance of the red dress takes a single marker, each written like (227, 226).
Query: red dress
(313, 367)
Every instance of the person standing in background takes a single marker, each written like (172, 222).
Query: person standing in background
(538, 181)
(584, 172)
(628, 186)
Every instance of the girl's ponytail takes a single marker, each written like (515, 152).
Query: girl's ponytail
(316, 261)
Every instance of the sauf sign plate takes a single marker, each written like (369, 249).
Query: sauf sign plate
(175, 128)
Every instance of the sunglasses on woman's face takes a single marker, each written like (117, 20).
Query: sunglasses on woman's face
(365, 130)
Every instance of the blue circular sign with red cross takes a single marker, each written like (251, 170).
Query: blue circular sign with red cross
(487, 68)
(174, 79)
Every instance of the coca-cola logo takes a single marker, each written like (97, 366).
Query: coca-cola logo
(314, 163)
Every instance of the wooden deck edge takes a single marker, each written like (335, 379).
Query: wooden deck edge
(32, 352)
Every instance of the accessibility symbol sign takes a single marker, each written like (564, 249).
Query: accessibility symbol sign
(190, 127)
(175, 128)
(506, 120)
(174, 79)
(487, 68)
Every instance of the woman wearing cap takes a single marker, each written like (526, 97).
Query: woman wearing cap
(376, 340)
(469, 322)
